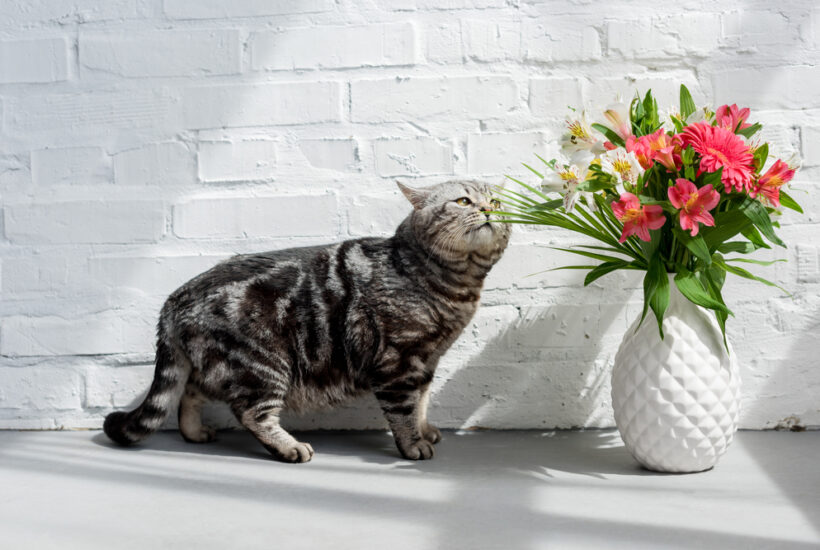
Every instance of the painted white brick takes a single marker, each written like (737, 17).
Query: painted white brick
(487, 40)
(560, 39)
(37, 388)
(552, 96)
(810, 137)
(17, 14)
(751, 28)
(163, 53)
(33, 60)
(232, 218)
(808, 264)
(217, 9)
(378, 214)
(37, 273)
(333, 154)
(117, 387)
(155, 276)
(563, 325)
(335, 47)
(165, 163)
(72, 165)
(247, 160)
(665, 88)
(796, 87)
(102, 334)
(697, 34)
(443, 43)
(500, 154)
(97, 111)
(400, 99)
(412, 157)
(262, 104)
(69, 222)
(406, 5)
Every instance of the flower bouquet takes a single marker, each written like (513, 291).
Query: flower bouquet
(683, 199)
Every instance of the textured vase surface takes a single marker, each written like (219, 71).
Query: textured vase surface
(676, 400)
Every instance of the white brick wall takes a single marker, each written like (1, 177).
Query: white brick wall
(141, 141)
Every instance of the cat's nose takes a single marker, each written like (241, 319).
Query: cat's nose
(486, 208)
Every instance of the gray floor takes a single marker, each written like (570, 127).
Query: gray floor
(505, 490)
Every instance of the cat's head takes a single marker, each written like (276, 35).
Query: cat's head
(453, 218)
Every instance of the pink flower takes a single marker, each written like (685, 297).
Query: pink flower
(658, 146)
(694, 204)
(731, 117)
(769, 184)
(637, 219)
(720, 148)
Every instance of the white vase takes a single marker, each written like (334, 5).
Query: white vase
(676, 400)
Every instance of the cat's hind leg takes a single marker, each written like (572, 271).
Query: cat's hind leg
(262, 420)
(190, 416)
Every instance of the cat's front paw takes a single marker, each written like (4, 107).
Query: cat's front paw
(298, 453)
(418, 450)
(431, 433)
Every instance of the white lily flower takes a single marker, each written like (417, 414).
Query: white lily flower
(623, 165)
(579, 137)
(616, 117)
(564, 179)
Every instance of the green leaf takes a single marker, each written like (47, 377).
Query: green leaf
(687, 104)
(754, 237)
(712, 178)
(610, 135)
(549, 205)
(733, 269)
(739, 247)
(656, 290)
(750, 131)
(586, 254)
(759, 216)
(788, 202)
(761, 154)
(696, 244)
(533, 170)
(727, 224)
(596, 185)
(691, 287)
(751, 261)
(604, 268)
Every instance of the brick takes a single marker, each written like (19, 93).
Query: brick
(68, 222)
(154, 276)
(749, 28)
(665, 88)
(400, 99)
(500, 154)
(378, 214)
(553, 96)
(560, 39)
(165, 163)
(408, 5)
(412, 157)
(33, 61)
(285, 216)
(810, 141)
(64, 11)
(117, 387)
(333, 154)
(217, 9)
(335, 47)
(488, 40)
(262, 104)
(808, 264)
(36, 388)
(443, 43)
(103, 334)
(796, 87)
(143, 54)
(247, 160)
(563, 325)
(90, 111)
(693, 34)
(71, 165)
(489, 323)
(38, 273)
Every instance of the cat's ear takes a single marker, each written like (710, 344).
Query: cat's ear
(417, 197)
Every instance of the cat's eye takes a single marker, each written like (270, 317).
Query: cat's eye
(464, 201)
(496, 204)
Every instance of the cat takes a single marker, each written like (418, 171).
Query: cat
(311, 327)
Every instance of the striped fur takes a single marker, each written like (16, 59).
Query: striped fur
(312, 327)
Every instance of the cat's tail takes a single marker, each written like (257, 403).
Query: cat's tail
(166, 389)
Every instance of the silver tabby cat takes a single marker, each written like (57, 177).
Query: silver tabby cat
(310, 327)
